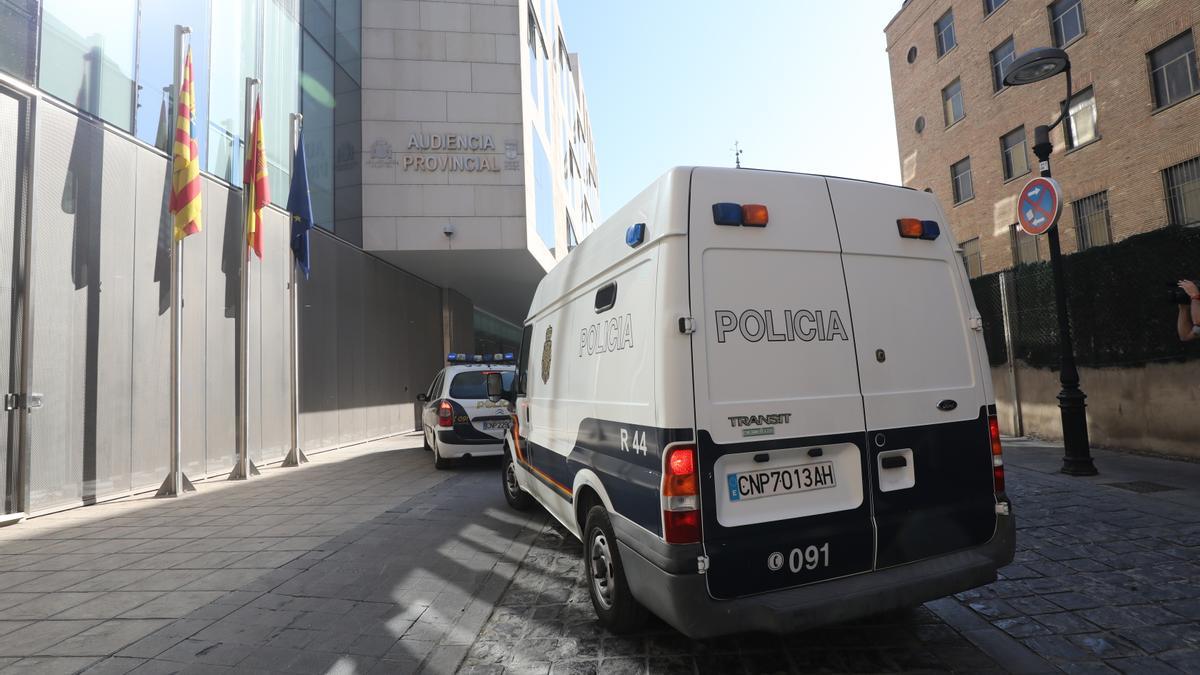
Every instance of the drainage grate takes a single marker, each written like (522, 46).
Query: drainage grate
(1141, 486)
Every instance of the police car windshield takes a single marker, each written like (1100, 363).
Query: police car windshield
(473, 384)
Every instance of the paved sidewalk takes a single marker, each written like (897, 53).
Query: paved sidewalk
(1107, 572)
(332, 567)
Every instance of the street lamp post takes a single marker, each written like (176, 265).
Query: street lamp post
(1035, 66)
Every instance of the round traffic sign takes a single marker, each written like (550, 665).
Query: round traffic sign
(1039, 205)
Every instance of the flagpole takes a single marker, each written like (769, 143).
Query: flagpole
(176, 482)
(295, 456)
(244, 468)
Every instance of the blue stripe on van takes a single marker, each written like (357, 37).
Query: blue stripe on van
(631, 477)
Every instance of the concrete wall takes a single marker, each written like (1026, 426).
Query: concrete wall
(1153, 408)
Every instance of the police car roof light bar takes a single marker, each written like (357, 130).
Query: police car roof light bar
(913, 228)
(459, 357)
(727, 213)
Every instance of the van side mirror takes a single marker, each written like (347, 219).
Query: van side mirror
(422, 398)
(495, 387)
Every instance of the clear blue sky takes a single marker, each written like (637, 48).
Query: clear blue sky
(802, 85)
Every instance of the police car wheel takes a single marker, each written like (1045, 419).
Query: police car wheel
(513, 494)
(614, 603)
(440, 463)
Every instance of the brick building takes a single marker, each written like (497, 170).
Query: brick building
(1128, 156)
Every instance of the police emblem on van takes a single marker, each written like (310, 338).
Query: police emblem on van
(806, 325)
(546, 355)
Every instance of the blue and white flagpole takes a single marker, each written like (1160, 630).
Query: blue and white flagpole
(295, 456)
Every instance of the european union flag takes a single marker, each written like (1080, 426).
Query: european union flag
(300, 206)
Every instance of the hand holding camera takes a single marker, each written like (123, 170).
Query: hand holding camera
(1186, 294)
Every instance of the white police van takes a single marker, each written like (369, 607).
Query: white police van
(457, 418)
(761, 400)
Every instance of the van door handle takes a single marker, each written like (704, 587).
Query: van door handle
(894, 462)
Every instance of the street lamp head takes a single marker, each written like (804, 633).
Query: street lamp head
(1036, 65)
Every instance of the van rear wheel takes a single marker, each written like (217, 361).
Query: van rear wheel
(614, 603)
(513, 494)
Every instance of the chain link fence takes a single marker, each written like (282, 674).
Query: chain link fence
(1117, 296)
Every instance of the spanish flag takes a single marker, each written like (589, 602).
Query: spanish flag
(254, 178)
(184, 204)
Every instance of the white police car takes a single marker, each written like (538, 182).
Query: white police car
(456, 416)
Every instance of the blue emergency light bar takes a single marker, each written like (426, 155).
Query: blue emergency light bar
(459, 357)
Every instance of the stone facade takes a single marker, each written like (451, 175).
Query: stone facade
(1136, 141)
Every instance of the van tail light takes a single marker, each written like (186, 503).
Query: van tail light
(445, 414)
(680, 496)
(997, 454)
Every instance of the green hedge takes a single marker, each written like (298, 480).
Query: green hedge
(1117, 300)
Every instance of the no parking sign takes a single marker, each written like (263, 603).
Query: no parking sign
(1039, 205)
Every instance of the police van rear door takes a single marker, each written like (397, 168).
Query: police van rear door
(779, 415)
(923, 383)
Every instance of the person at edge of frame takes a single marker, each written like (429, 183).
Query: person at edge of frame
(1189, 314)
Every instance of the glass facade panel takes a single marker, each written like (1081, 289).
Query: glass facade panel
(330, 99)
(317, 103)
(155, 117)
(281, 86)
(543, 194)
(233, 61)
(87, 56)
(18, 37)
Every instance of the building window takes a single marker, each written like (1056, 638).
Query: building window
(87, 56)
(960, 177)
(1173, 71)
(18, 37)
(1081, 119)
(990, 6)
(1002, 57)
(943, 31)
(1014, 154)
(572, 240)
(971, 257)
(1092, 224)
(952, 102)
(1066, 21)
(1026, 247)
(1182, 185)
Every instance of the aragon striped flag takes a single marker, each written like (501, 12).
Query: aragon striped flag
(184, 203)
(254, 178)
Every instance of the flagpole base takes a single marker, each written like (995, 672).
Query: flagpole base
(168, 486)
(237, 473)
(295, 457)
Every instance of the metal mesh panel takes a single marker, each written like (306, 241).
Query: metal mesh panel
(223, 238)
(83, 362)
(151, 323)
(273, 353)
(10, 113)
(349, 346)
